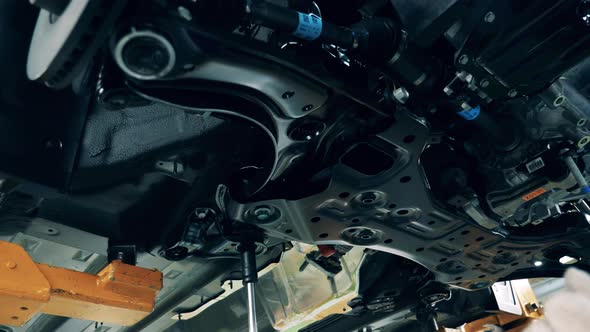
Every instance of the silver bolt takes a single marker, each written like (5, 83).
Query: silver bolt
(484, 83)
(184, 13)
(512, 93)
(463, 59)
(489, 17)
(401, 94)
(262, 213)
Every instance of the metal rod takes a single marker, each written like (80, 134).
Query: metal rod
(571, 164)
(252, 324)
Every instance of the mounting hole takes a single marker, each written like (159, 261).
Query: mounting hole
(405, 179)
(323, 235)
(466, 245)
(361, 236)
(315, 219)
(306, 130)
(288, 231)
(368, 198)
(482, 276)
(452, 239)
(559, 101)
(14, 317)
(234, 244)
(458, 278)
(479, 239)
(465, 232)
(226, 249)
(24, 308)
(288, 94)
(527, 253)
(388, 241)
(409, 139)
(344, 194)
(367, 159)
(442, 260)
(419, 249)
(51, 231)
(355, 220)
(263, 214)
(477, 265)
(432, 222)
(499, 251)
(392, 206)
(307, 108)
(514, 264)
(402, 212)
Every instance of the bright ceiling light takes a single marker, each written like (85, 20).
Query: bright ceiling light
(568, 260)
(538, 263)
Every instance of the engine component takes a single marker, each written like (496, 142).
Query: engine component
(304, 26)
(145, 55)
(430, 136)
(120, 294)
(520, 205)
(67, 36)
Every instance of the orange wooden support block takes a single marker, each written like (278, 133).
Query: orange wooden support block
(120, 294)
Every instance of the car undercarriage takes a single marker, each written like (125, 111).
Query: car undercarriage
(366, 163)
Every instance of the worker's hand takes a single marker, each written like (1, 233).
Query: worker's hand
(569, 309)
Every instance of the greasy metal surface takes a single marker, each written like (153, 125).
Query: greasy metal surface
(403, 218)
(305, 98)
(121, 293)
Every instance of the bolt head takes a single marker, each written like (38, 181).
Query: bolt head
(11, 265)
(184, 13)
(512, 93)
(464, 59)
(489, 17)
(484, 83)
(401, 94)
(262, 213)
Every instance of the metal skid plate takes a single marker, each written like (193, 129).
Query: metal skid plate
(393, 212)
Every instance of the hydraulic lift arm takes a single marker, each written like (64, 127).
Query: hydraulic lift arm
(120, 293)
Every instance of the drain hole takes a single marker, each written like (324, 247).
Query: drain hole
(405, 179)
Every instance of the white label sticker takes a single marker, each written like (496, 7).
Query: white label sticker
(506, 297)
(535, 165)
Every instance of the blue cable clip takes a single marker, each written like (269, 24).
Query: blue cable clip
(471, 114)
(309, 27)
